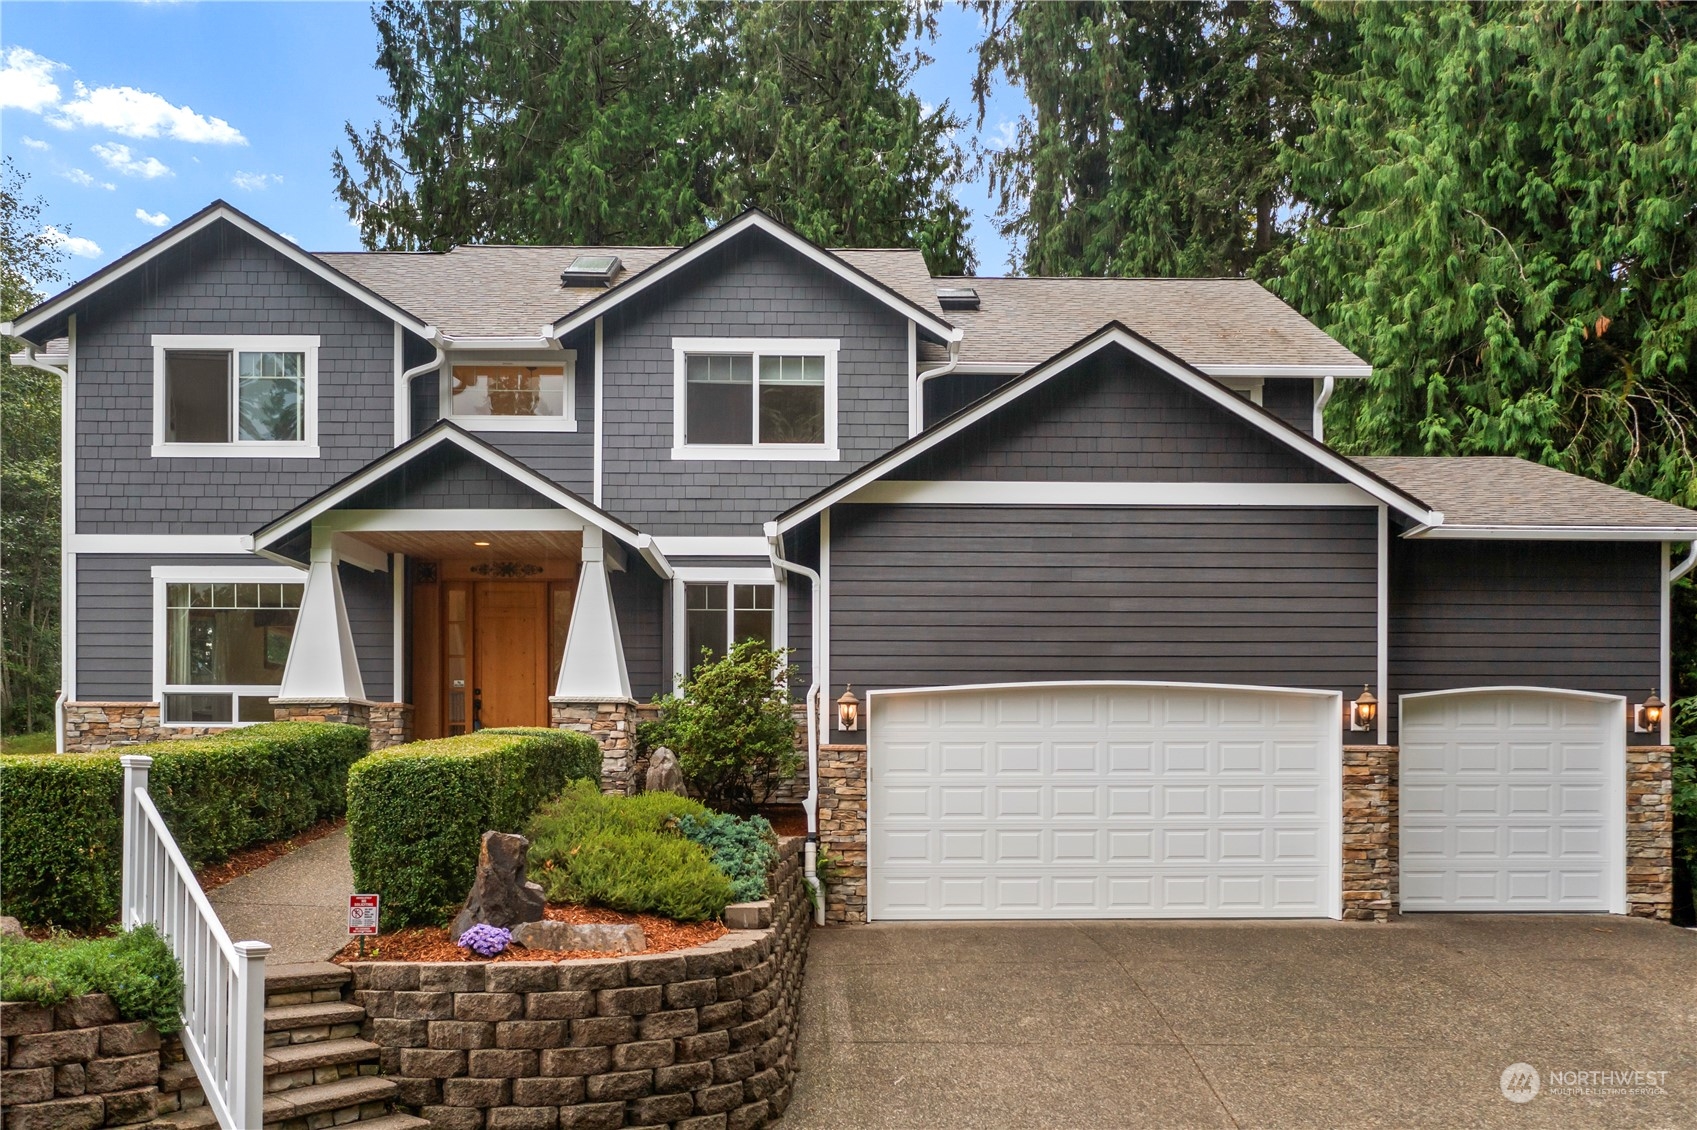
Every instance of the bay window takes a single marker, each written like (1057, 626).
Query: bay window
(755, 399)
(224, 396)
(222, 643)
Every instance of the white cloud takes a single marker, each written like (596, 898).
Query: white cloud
(75, 244)
(26, 81)
(34, 143)
(78, 176)
(1005, 135)
(153, 219)
(119, 159)
(255, 182)
(140, 113)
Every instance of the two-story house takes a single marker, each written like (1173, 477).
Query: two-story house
(1121, 635)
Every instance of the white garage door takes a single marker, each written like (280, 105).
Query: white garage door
(1513, 798)
(1117, 800)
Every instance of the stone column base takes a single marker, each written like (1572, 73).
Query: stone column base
(353, 711)
(612, 723)
(1369, 832)
(1649, 832)
(842, 829)
(391, 724)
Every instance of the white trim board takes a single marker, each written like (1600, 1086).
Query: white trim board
(435, 521)
(1055, 493)
(754, 220)
(213, 213)
(754, 546)
(159, 543)
(1115, 335)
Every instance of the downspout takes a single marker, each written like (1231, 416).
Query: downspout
(1674, 573)
(29, 360)
(919, 386)
(810, 856)
(419, 370)
(1327, 387)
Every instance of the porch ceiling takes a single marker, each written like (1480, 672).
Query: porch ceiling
(463, 543)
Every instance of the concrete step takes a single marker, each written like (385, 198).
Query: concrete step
(196, 1118)
(294, 976)
(394, 1122)
(325, 1014)
(343, 1094)
(319, 1053)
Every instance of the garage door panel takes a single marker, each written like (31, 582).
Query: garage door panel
(1102, 802)
(1512, 799)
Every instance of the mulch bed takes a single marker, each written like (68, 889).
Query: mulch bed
(253, 858)
(786, 819)
(432, 943)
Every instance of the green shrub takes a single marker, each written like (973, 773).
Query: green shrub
(626, 853)
(135, 969)
(744, 848)
(733, 728)
(63, 820)
(417, 813)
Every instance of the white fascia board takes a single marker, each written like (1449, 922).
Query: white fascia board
(1564, 692)
(1116, 335)
(465, 342)
(747, 575)
(593, 309)
(257, 574)
(189, 228)
(362, 479)
(712, 547)
(446, 521)
(153, 544)
(1556, 533)
(1054, 493)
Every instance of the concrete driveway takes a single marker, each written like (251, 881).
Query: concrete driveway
(1237, 1024)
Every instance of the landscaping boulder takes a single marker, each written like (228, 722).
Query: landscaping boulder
(664, 776)
(10, 927)
(604, 937)
(500, 896)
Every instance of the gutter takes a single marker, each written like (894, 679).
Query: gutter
(810, 858)
(1685, 566)
(917, 417)
(1329, 386)
(29, 360)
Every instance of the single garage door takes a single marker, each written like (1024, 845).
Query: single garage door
(1104, 800)
(1513, 798)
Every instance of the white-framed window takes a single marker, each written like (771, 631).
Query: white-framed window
(1250, 388)
(223, 396)
(511, 392)
(717, 608)
(754, 398)
(221, 638)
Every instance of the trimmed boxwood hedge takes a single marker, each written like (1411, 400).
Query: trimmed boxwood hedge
(417, 813)
(63, 822)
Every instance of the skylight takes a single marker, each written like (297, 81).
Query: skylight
(590, 270)
(957, 298)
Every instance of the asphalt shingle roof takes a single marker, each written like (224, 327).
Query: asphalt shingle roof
(1490, 490)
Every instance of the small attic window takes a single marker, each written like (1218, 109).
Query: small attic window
(590, 270)
(957, 298)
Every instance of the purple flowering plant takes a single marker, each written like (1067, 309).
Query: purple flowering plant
(486, 940)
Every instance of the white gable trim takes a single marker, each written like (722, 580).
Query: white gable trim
(564, 499)
(1143, 350)
(1055, 492)
(593, 309)
(193, 226)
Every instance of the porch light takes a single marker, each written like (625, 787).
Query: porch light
(1647, 715)
(848, 710)
(481, 544)
(1363, 710)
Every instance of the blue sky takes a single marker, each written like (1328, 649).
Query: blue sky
(128, 117)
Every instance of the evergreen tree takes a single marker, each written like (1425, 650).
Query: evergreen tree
(1152, 144)
(1504, 221)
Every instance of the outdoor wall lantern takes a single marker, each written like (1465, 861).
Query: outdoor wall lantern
(1363, 710)
(848, 710)
(1647, 715)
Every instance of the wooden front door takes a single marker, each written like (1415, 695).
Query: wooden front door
(510, 665)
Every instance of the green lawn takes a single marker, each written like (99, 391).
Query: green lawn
(39, 742)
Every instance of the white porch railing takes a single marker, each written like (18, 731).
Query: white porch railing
(223, 981)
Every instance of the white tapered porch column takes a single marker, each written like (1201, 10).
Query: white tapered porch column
(321, 679)
(593, 692)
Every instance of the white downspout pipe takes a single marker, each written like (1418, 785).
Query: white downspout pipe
(1327, 387)
(810, 856)
(405, 378)
(28, 359)
(916, 418)
(1674, 573)
(1685, 566)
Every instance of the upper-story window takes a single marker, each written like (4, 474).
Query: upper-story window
(512, 394)
(216, 395)
(755, 398)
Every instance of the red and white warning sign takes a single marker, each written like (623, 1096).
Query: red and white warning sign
(362, 915)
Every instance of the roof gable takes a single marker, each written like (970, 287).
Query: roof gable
(1112, 337)
(49, 314)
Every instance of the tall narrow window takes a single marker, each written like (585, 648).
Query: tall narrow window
(226, 644)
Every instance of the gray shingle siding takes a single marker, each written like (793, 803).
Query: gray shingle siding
(219, 282)
(1113, 419)
(370, 599)
(1571, 615)
(114, 631)
(753, 288)
(1291, 401)
(639, 597)
(937, 595)
(446, 477)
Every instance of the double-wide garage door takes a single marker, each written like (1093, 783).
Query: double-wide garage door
(1104, 801)
(1513, 798)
